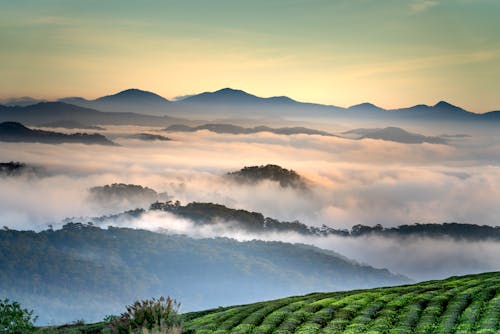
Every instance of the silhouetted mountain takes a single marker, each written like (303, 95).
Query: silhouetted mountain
(492, 115)
(235, 129)
(16, 132)
(397, 135)
(129, 100)
(22, 101)
(361, 131)
(458, 135)
(134, 95)
(365, 107)
(229, 102)
(253, 174)
(233, 96)
(67, 124)
(441, 111)
(56, 111)
(92, 272)
(445, 107)
(148, 137)
(233, 102)
(180, 128)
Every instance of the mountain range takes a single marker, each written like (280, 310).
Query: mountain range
(232, 102)
(48, 112)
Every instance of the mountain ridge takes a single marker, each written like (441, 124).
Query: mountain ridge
(17, 132)
(235, 102)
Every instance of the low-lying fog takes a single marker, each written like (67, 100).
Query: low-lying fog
(352, 182)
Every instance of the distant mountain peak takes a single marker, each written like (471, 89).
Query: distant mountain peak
(22, 101)
(133, 94)
(443, 103)
(365, 106)
(448, 107)
(134, 91)
(228, 90)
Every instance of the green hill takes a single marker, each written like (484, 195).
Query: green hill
(466, 304)
(85, 272)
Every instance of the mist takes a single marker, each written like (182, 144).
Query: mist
(350, 182)
(420, 258)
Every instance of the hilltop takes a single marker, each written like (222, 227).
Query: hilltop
(285, 177)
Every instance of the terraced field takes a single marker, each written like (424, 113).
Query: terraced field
(467, 304)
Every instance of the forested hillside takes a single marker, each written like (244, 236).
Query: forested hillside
(87, 272)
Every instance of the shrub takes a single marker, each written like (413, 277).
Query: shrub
(149, 316)
(14, 319)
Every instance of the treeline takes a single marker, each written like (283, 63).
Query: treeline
(285, 177)
(210, 213)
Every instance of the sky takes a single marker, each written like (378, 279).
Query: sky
(393, 53)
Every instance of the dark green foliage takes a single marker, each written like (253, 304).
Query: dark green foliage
(285, 177)
(148, 314)
(452, 230)
(85, 271)
(117, 193)
(11, 168)
(207, 213)
(14, 319)
(468, 304)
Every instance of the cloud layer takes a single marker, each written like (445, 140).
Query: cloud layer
(354, 182)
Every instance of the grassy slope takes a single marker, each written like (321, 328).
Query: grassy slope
(466, 304)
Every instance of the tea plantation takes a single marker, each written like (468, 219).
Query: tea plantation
(467, 304)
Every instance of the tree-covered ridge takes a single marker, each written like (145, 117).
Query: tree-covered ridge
(285, 177)
(119, 191)
(87, 271)
(16, 168)
(467, 304)
(12, 168)
(209, 213)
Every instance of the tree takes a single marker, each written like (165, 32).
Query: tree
(148, 316)
(14, 319)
